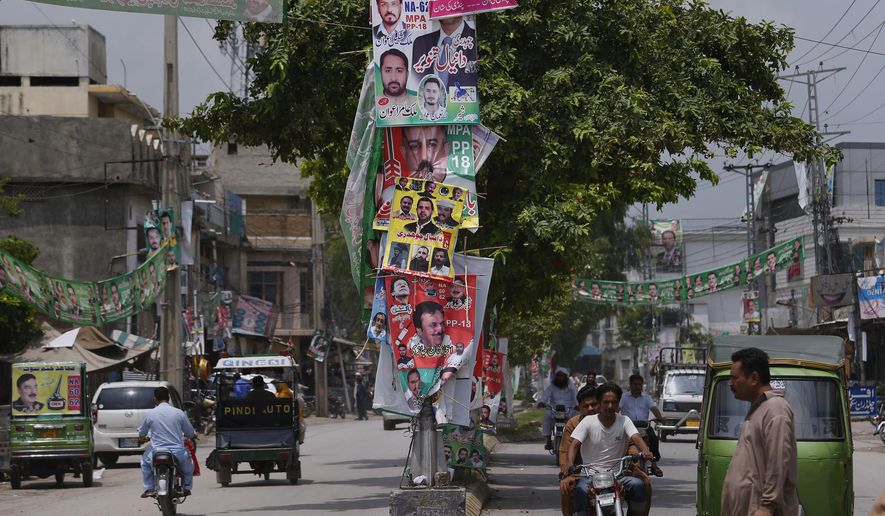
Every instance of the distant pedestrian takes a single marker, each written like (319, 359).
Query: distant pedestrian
(761, 479)
(361, 398)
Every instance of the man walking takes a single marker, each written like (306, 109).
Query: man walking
(361, 398)
(761, 479)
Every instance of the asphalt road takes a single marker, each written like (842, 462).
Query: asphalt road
(350, 467)
(523, 477)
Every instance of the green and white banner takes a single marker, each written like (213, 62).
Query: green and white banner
(268, 11)
(85, 303)
(691, 286)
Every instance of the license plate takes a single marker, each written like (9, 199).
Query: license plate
(128, 442)
(606, 499)
(694, 423)
(49, 432)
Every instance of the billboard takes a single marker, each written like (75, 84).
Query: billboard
(47, 388)
(832, 290)
(666, 245)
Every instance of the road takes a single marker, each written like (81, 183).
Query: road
(350, 467)
(523, 477)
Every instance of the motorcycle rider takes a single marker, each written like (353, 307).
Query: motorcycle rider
(587, 406)
(166, 425)
(560, 392)
(602, 443)
(635, 405)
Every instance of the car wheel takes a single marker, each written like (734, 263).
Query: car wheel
(108, 459)
(87, 475)
(59, 477)
(15, 478)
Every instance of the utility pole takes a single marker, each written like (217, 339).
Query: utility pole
(171, 356)
(321, 385)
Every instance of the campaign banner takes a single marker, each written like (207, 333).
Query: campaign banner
(159, 231)
(871, 297)
(423, 230)
(750, 312)
(267, 11)
(85, 303)
(254, 316)
(687, 288)
(432, 325)
(378, 331)
(438, 154)
(493, 384)
(832, 290)
(463, 446)
(440, 9)
(47, 388)
(425, 70)
(666, 245)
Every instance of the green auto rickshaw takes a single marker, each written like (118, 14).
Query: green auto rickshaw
(50, 428)
(812, 373)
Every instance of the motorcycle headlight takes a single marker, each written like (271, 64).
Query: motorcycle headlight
(603, 480)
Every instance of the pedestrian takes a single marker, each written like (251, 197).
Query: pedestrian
(761, 479)
(361, 398)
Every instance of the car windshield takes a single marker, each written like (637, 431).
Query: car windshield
(817, 415)
(684, 384)
(126, 398)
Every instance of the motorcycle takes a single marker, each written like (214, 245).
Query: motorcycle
(560, 416)
(168, 482)
(336, 407)
(605, 494)
(207, 414)
(879, 422)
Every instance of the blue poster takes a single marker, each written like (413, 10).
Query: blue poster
(871, 297)
(862, 401)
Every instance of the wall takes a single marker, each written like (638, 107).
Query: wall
(252, 171)
(60, 51)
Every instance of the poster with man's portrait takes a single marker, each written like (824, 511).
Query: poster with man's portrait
(431, 325)
(425, 70)
(427, 221)
(437, 154)
(463, 446)
(666, 245)
(41, 388)
(378, 330)
(159, 231)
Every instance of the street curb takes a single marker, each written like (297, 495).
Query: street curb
(477, 495)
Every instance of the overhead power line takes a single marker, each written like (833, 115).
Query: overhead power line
(200, 49)
(851, 31)
(829, 31)
(856, 70)
(842, 46)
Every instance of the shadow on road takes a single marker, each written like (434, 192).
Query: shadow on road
(523, 478)
(364, 503)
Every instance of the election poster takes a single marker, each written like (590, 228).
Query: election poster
(47, 388)
(425, 70)
(423, 230)
(432, 325)
(493, 383)
(691, 286)
(159, 231)
(266, 11)
(319, 347)
(377, 331)
(871, 297)
(439, 154)
(666, 245)
(254, 316)
(463, 446)
(447, 8)
(84, 303)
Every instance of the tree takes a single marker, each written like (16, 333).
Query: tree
(602, 104)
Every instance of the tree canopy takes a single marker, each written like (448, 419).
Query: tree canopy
(602, 103)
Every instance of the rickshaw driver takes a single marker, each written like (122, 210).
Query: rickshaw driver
(166, 425)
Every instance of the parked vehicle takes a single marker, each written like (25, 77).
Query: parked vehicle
(168, 482)
(118, 409)
(560, 417)
(679, 387)
(263, 433)
(810, 369)
(50, 428)
(878, 421)
(605, 498)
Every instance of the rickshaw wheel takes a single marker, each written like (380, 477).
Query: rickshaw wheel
(59, 477)
(15, 479)
(293, 481)
(87, 474)
(225, 484)
(267, 476)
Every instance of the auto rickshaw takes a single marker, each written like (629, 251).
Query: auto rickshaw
(259, 433)
(50, 425)
(811, 371)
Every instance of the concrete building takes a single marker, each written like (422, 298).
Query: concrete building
(285, 234)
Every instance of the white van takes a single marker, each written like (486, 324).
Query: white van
(118, 409)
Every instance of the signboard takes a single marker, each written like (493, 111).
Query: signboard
(447, 8)
(871, 297)
(258, 413)
(862, 401)
(425, 70)
(268, 11)
(832, 290)
(47, 388)
(254, 362)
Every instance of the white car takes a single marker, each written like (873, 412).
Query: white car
(118, 409)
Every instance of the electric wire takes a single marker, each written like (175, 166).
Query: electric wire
(845, 13)
(850, 31)
(853, 75)
(200, 49)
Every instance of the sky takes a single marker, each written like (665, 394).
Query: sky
(852, 100)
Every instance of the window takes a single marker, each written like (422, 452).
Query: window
(267, 286)
(817, 414)
(880, 192)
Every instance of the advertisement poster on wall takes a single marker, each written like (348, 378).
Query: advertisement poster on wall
(46, 388)
(425, 70)
(871, 297)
